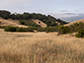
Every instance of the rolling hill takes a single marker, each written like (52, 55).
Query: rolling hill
(46, 20)
(10, 22)
(82, 20)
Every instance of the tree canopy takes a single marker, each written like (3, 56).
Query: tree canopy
(49, 20)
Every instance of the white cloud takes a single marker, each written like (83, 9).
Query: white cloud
(64, 15)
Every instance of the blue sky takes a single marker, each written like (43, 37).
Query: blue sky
(56, 8)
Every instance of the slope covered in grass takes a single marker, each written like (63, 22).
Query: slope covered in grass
(82, 20)
(10, 22)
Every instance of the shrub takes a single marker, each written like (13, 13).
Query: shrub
(29, 29)
(2, 27)
(22, 22)
(64, 30)
(47, 29)
(54, 24)
(10, 28)
(16, 29)
(80, 34)
(51, 29)
(76, 27)
(21, 30)
(40, 29)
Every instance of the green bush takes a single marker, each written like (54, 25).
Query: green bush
(11, 29)
(54, 24)
(29, 29)
(51, 29)
(21, 30)
(2, 27)
(41, 29)
(47, 29)
(22, 22)
(17, 29)
(80, 34)
(76, 27)
(64, 30)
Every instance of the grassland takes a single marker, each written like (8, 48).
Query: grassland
(78, 21)
(10, 22)
(40, 47)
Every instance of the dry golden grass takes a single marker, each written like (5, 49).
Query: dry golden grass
(10, 22)
(82, 20)
(40, 47)
(42, 24)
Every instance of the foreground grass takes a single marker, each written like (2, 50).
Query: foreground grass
(40, 48)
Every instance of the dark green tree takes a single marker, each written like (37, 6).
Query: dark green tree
(5, 14)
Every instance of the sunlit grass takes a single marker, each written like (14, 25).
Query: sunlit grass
(40, 48)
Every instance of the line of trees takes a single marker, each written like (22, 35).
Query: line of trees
(49, 20)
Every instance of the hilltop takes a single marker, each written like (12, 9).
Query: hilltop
(30, 19)
(78, 21)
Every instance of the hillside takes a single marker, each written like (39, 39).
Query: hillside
(38, 22)
(82, 20)
(47, 20)
(10, 22)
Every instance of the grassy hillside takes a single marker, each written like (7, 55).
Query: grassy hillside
(78, 21)
(10, 22)
(40, 23)
(29, 22)
(48, 20)
(39, 26)
(40, 48)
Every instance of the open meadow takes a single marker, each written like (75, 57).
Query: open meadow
(40, 47)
